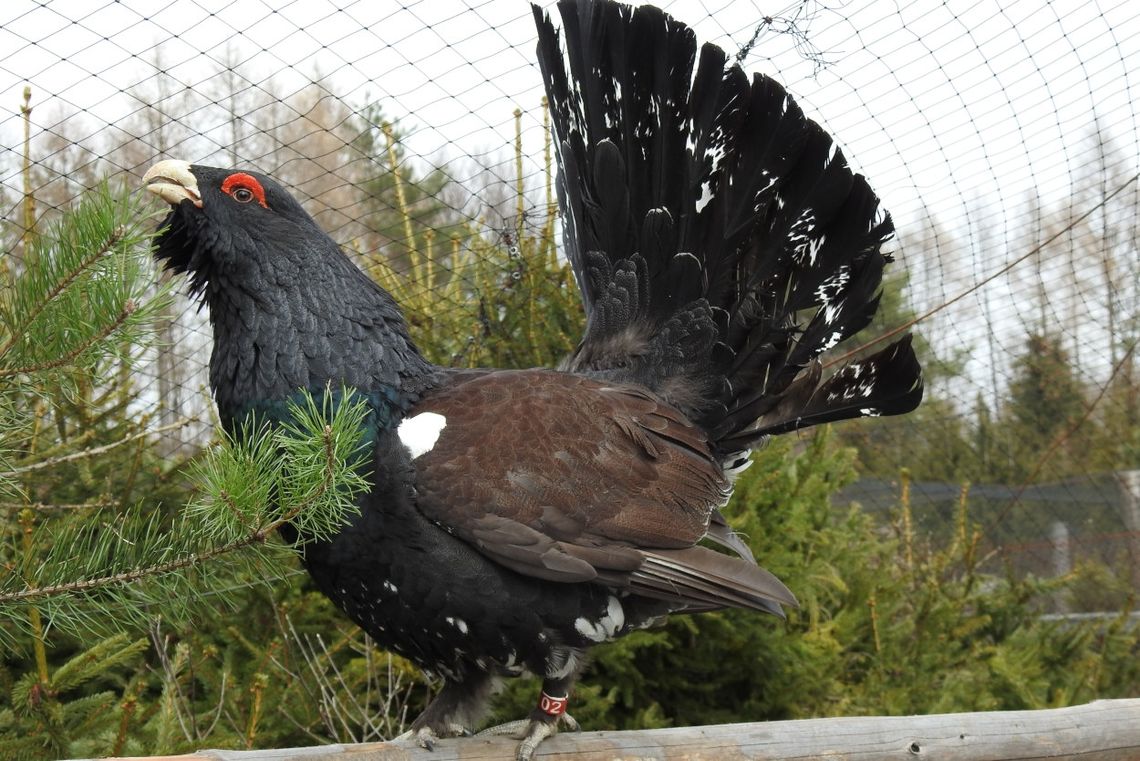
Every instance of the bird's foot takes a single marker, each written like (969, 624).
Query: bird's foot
(518, 729)
(542, 724)
(539, 730)
(426, 737)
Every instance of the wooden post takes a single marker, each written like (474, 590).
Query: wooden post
(1107, 730)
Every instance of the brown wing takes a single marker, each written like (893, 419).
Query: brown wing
(565, 478)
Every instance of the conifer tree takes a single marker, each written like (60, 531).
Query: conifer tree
(75, 324)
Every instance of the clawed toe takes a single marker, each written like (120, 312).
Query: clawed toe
(426, 737)
(537, 731)
(544, 721)
(531, 732)
(515, 729)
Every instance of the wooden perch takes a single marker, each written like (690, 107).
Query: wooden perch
(1107, 730)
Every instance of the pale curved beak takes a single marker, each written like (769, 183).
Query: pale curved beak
(173, 181)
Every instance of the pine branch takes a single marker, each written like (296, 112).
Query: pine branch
(61, 506)
(306, 473)
(70, 356)
(96, 451)
(62, 285)
(88, 585)
(96, 660)
(258, 535)
(87, 295)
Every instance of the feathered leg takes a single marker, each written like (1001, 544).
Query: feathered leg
(453, 711)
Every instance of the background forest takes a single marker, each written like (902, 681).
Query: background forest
(980, 554)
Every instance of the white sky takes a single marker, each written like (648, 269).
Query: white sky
(959, 107)
(930, 99)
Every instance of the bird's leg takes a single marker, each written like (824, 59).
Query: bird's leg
(543, 720)
(451, 712)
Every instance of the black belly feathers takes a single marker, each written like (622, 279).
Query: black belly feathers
(517, 518)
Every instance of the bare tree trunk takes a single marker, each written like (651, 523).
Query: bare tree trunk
(1129, 481)
(1061, 540)
(170, 381)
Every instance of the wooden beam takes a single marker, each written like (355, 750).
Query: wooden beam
(1106, 730)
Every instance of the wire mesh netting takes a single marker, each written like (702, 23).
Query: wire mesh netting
(1002, 138)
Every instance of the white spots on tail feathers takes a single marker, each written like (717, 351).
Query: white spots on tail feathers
(419, 433)
(612, 114)
(458, 623)
(832, 287)
(714, 153)
(706, 196)
(831, 340)
(716, 150)
(648, 117)
(606, 626)
(801, 237)
(858, 386)
(831, 312)
(390, 587)
(813, 247)
(830, 296)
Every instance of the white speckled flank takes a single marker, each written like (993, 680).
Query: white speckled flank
(604, 628)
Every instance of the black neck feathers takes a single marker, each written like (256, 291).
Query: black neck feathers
(290, 311)
(333, 326)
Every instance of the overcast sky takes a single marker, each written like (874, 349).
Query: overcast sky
(940, 100)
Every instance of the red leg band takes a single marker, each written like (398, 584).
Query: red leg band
(553, 706)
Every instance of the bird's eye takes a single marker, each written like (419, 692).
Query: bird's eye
(244, 188)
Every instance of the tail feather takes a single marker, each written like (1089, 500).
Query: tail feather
(705, 579)
(719, 237)
(886, 383)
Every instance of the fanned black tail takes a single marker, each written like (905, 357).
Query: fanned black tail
(719, 238)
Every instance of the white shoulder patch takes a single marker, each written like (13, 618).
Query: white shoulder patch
(419, 433)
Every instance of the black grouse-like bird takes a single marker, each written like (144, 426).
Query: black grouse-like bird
(517, 518)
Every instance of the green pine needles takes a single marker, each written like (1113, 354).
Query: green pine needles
(96, 545)
(85, 294)
(85, 303)
(100, 576)
(306, 472)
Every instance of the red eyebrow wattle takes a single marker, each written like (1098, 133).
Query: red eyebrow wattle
(247, 181)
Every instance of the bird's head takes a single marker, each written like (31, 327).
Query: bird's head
(237, 226)
(288, 308)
